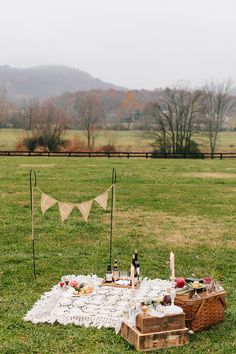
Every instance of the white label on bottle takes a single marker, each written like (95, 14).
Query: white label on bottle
(109, 277)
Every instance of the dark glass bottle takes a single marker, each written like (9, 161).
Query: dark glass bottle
(108, 278)
(135, 269)
(137, 264)
(115, 271)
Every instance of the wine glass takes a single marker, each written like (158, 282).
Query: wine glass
(195, 295)
(172, 296)
(124, 274)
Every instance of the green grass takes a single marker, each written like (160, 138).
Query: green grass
(124, 140)
(184, 206)
(9, 138)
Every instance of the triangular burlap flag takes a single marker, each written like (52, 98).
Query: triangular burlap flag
(65, 210)
(47, 202)
(84, 208)
(102, 200)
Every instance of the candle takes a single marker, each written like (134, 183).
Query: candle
(172, 265)
(132, 275)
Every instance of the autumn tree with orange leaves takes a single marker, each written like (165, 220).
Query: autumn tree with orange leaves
(130, 106)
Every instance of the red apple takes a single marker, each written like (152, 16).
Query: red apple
(180, 282)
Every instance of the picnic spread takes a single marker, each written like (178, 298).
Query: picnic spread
(148, 313)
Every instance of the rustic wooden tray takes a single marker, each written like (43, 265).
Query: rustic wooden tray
(114, 285)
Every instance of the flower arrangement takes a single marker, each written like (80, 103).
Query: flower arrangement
(166, 301)
(78, 288)
(207, 280)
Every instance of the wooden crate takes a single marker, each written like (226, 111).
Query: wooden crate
(203, 312)
(151, 324)
(152, 341)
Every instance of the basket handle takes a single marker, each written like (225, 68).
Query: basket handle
(203, 302)
(223, 301)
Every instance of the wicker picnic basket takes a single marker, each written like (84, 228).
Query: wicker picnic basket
(204, 312)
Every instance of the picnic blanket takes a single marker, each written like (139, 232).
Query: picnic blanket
(105, 307)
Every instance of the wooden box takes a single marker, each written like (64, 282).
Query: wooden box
(203, 312)
(152, 341)
(150, 324)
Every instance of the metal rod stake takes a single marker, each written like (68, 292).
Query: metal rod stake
(33, 184)
(112, 211)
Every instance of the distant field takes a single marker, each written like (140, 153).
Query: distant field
(124, 140)
(184, 206)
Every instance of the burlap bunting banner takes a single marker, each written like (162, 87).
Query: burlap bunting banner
(102, 200)
(65, 209)
(47, 202)
(84, 208)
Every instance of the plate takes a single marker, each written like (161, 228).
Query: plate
(122, 282)
(87, 292)
(201, 287)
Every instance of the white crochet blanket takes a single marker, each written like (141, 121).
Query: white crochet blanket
(105, 307)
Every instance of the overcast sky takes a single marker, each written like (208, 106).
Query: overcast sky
(131, 43)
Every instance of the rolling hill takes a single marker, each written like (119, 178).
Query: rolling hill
(46, 81)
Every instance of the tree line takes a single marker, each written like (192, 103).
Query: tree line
(172, 116)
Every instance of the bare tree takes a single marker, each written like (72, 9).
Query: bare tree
(4, 107)
(29, 113)
(217, 104)
(176, 117)
(44, 126)
(89, 113)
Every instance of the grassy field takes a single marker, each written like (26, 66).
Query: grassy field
(124, 140)
(184, 206)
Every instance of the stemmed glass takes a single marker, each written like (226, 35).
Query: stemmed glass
(172, 296)
(195, 295)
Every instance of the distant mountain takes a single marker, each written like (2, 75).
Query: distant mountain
(46, 81)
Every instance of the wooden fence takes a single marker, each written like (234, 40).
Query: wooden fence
(120, 154)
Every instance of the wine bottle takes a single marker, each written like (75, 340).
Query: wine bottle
(115, 271)
(108, 278)
(135, 269)
(137, 264)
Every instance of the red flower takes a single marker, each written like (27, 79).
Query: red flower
(207, 280)
(62, 284)
(74, 283)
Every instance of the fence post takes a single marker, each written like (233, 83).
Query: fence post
(221, 156)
